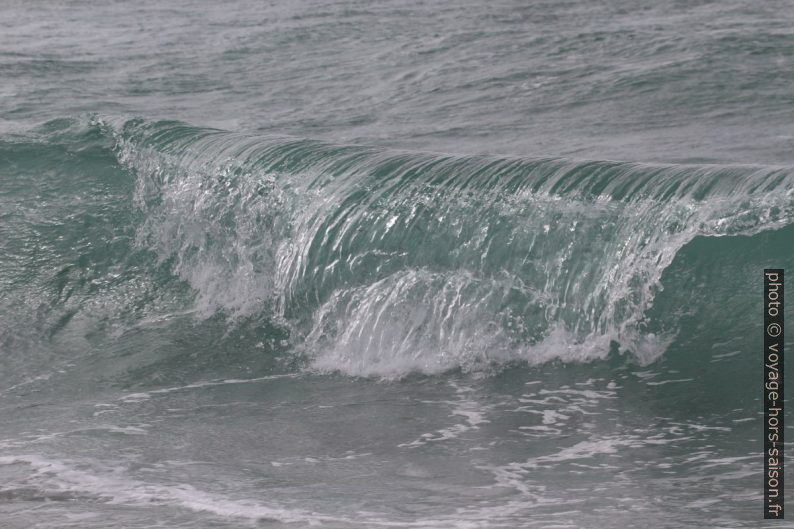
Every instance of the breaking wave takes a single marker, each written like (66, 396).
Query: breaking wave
(371, 261)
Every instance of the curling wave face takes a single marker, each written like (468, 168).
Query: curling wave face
(362, 260)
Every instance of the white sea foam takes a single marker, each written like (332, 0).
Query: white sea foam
(473, 412)
(113, 485)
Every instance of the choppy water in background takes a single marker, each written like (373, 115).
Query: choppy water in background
(437, 265)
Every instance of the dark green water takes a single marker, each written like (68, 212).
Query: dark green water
(242, 284)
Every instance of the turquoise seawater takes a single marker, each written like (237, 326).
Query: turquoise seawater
(378, 264)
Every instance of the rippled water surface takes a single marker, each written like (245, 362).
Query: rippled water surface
(380, 264)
